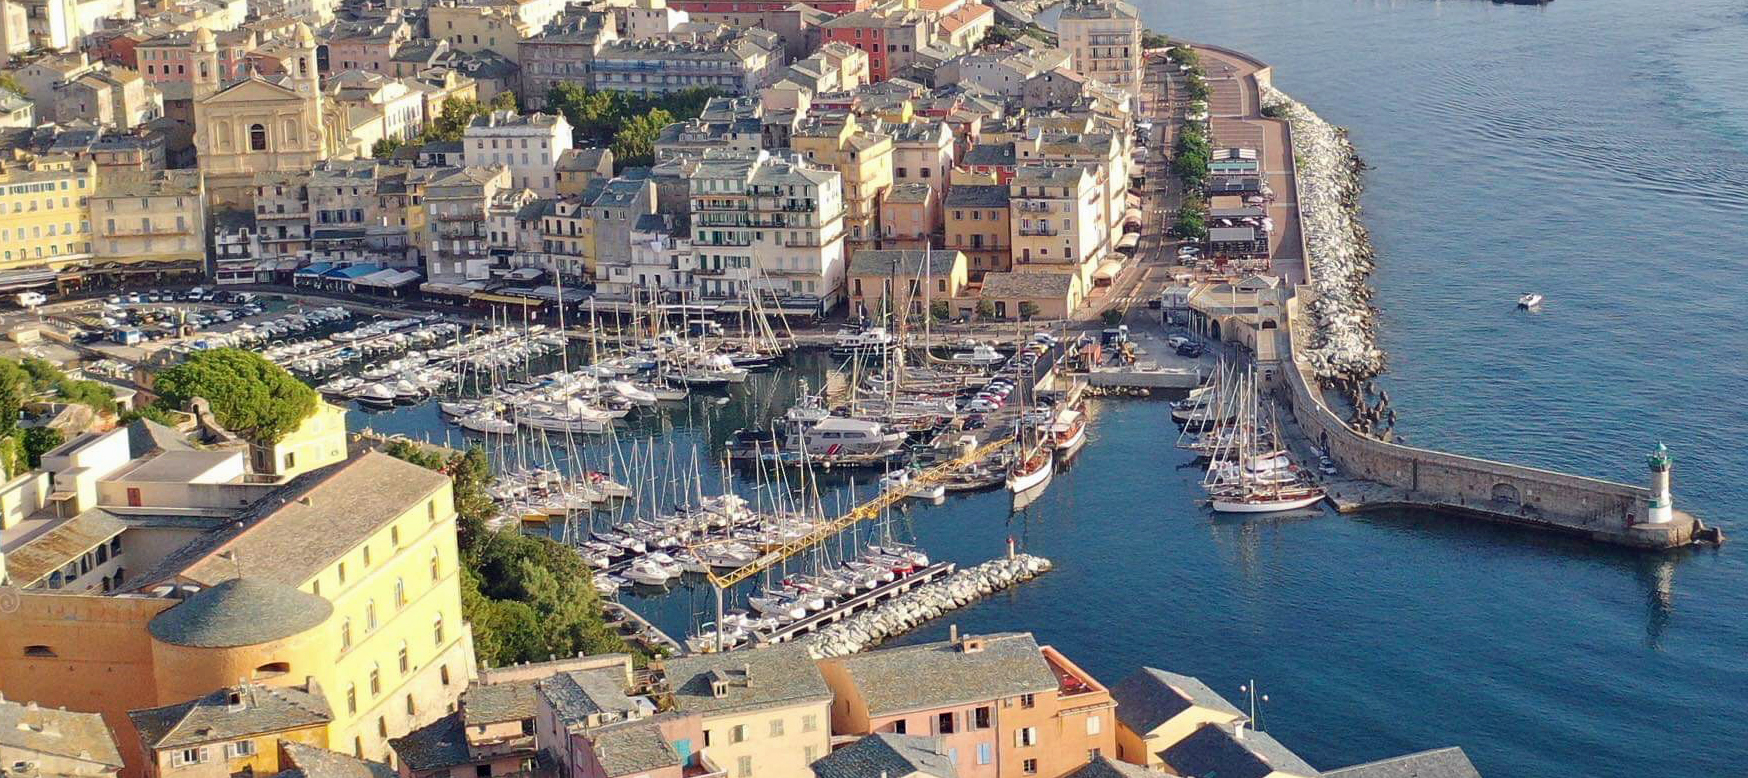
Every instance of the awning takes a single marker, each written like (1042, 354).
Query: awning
(1129, 241)
(504, 298)
(26, 278)
(1109, 269)
(462, 289)
(1133, 216)
(352, 272)
(524, 274)
(388, 279)
(314, 269)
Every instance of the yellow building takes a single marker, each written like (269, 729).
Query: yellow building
(44, 212)
(1056, 220)
(908, 281)
(148, 224)
(318, 442)
(863, 156)
(258, 125)
(233, 730)
(345, 576)
(766, 711)
(1157, 709)
(1104, 37)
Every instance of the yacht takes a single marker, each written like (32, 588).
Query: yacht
(648, 571)
(376, 396)
(873, 340)
(980, 354)
(1067, 433)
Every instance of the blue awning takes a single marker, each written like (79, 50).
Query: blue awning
(349, 272)
(314, 269)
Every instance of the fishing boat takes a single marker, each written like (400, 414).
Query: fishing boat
(1067, 433)
(1528, 300)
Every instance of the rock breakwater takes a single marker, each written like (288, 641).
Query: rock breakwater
(906, 611)
(1344, 344)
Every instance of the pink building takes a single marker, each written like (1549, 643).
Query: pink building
(168, 58)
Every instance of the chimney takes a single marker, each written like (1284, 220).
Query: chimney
(746, 672)
(1238, 730)
(953, 633)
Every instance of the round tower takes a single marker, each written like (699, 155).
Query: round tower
(1662, 508)
(303, 68)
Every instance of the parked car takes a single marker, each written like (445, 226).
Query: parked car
(1191, 350)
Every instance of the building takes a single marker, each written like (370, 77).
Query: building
(1034, 294)
(1235, 749)
(965, 26)
(48, 222)
(976, 217)
(562, 54)
(662, 265)
(768, 225)
(455, 207)
(646, 19)
(491, 733)
(891, 36)
(1001, 704)
(577, 167)
(614, 206)
(910, 217)
(1056, 219)
(279, 564)
(1001, 71)
(884, 755)
(231, 730)
(526, 144)
(55, 25)
(1156, 709)
(258, 125)
(1104, 37)
(113, 95)
(737, 63)
(765, 712)
(497, 26)
(906, 282)
(923, 152)
(715, 10)
(148, 224)
(1437, 763)
(52, 742)
(168, 59)
(862, 155)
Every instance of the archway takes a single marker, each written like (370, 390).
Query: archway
(1506, 493)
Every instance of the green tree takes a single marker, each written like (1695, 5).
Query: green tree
(10, 83)
(452, 121)
(1153, 40)
(386, 147)
(504, 101)
(1112, 317)
(39, 441)
(248, 394)
(985, 309)
(634, 144)
(1028, 309)
(940, 310)
(155, 413)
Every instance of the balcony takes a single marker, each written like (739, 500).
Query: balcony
(709, 271)
(1031, 206)
(798, 206)
(156, 229)
(726, 242)
(1039, 232)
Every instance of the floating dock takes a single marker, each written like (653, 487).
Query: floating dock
(858, 604)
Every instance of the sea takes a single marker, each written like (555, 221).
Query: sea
(1594, 151)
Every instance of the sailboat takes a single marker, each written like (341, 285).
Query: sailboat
(1253, 474)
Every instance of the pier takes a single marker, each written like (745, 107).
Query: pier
(863, 602)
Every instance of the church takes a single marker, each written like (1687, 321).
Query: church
(261, 125)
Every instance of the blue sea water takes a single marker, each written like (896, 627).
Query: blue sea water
(1595, 151)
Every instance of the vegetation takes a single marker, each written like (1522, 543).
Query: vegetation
(1192, 218)
(1153, 40)
(1190, 155)
(32, 379)
(939, 310)
(248, 394)
(528, 597)
(1184, 55)
(623, 120)
(985, 309)
(1112, 317)
(39, 441)
(1028, 309)
(10, 83)
(457, 113)
(634, 144)
(386, 147)
(155, 413)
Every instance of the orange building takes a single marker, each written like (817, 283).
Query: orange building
(1003, 706)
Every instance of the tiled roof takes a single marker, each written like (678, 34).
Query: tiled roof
(579, 694)
(30, 728)
(1215, 749)
(1025, 284)
(240, 612)
(933, 675)
(1148, 698)
(439, 744)
(977, 196)
(632, 747)
(492, 703)
(902, 263)
(1437, 763)
(307, 761)
(1103, 766)
(50, 550)
(258, 710)
(759, 678)
(885, 755)
(990, 155)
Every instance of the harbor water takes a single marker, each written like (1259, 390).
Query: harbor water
(1595, 151)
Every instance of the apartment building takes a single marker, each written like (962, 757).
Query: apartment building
(563, 53)
(149, 222)
(112, 95)
(527, 145)
(977, 220)
(862, 155)
(1056, 221)
(910, 217)
(661, 264)
(232, 730)
(455, 207)
(615, 205)
(46, 212)
(891, 36)
(765, 712)
(1002, 705)
(737, 64)
(1104, 37)
(767, 224)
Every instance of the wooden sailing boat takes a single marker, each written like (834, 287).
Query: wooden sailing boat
(1247, 476)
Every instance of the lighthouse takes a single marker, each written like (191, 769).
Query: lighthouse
(1662, 508)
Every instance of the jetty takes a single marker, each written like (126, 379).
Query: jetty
(868, 600)
(1325, 337)
(901, 614)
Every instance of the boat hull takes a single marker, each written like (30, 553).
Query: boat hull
(1226, 505)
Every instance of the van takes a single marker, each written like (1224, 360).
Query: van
(30, 299)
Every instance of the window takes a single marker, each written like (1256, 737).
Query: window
(375, 680)
(410, 709)
(436, 566)
(240, 748)
(345, 634)
(809, 754)
(431, 509)
(437, 630)
(407, 664)
(443, 674)
(743, 767)
(980, 718)
(290, 460)
(352, 698)
(1026, 736)
(482, 771)
(1030, 766)
(1091, 754)
(809, 722)
(400, 594)
(984, 753)
(1027, 700)
(188, 756)
(737, 734)
(382, 726)
(776, 727)
(43, 652)
(257, 138)
(367, 555)
(370, 616)
(394, 537)
(342, 572)
(944, 723)
(898, 727)
(1094, 725)
(358, 747)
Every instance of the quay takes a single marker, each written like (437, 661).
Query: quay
(863, 602)
(1377, 474)
(642, 631)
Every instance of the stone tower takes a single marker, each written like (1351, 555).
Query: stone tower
(206, 79)
(1662, 508)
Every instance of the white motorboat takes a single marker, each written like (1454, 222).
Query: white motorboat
(980, 354)
(649, 572)
(487, 423)
(376, 396)
(871, 340)
(627, 390)
(1068, 433)
(780, 605)
(1529, 300)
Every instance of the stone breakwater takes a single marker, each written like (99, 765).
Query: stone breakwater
(1343, 346)
(906, 611)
